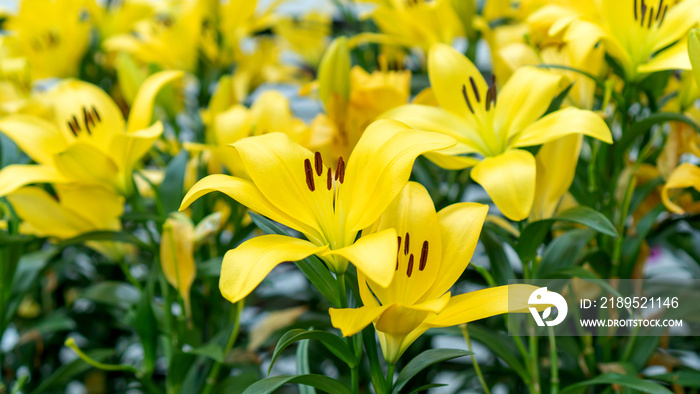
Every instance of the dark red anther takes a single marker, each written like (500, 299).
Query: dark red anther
(318, 162)
(329, 180)
(406, 244)
(309, 175)
(423, 256)
(476, 91)
(409, 270)
(466, 99)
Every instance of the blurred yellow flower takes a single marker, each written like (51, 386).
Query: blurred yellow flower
(641, 36)
(433, 251)
(79, 209)
(51, 35)
(419, 23)
(354, 98)
(88, 141)
(308, 36)
(177, 255)
(228, 124)
(495, 125)
(684, 176)
(293, 186)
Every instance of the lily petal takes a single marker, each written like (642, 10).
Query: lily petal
(373, 255)
(400, 319)
(509, 179)
(15, 176)
(556, 166)
(694, 53)
(246, 193)
(424, 117)
(480, 304)
(84, 111)
(246, 266)
(524, 99)
(418, 262)
(560, 123)
(128, 148)
(85, 163)
(445, 159)
(277, 166)
(681, 17)
(350, 321)
(380, 166)
(685, 175)
(142, 109)
(45, 215)
(96, 204)
(449, 71)
(460, 226)
(38, 138)
(673, 58)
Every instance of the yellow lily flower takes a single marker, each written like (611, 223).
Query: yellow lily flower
(172, 38)
(115, 19)
(307, 36)
(642, 36)
(434, 249)
(684, 176)
(294, 187)
(418, 23)
(353, 98)
(52, 35)
(271, 112)
(78, 210)
(495, 125)
(88, 141)
(177, 255)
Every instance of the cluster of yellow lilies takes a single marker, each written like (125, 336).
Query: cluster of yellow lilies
(89, 93)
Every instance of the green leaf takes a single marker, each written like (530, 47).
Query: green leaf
(314, 270)
(172, 188)
(628, 381)
(375, 369)
(502, 346)
(534, 234)
(588, 217)
(335, 344)
(423, 361)
(427, 387)
(114, 293)
(642, 127)
(55, 322)
(105, 235)
(500, 265)
(303, 367)
(212, 350)
(683, 378)
(563, 251)
(146, 326)
(556, 102)
(324, 383)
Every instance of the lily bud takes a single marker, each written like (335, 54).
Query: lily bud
(694, 52)
(177, 255)
(334, 72)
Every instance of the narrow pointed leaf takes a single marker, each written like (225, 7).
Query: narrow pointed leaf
(324, 383)
(631, 382)
(332, 342)
(423, 361)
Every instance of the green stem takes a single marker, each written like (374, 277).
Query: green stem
(465, 334)
(342, 291)
(355, 380)
(211, 379)
(390, 377)
(554, 379)
(70, 342)
(534, 363)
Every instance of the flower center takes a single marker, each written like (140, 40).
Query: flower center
(491, 94)
(318, 166)
(90, 118)
(640, 13)
(406, 247)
